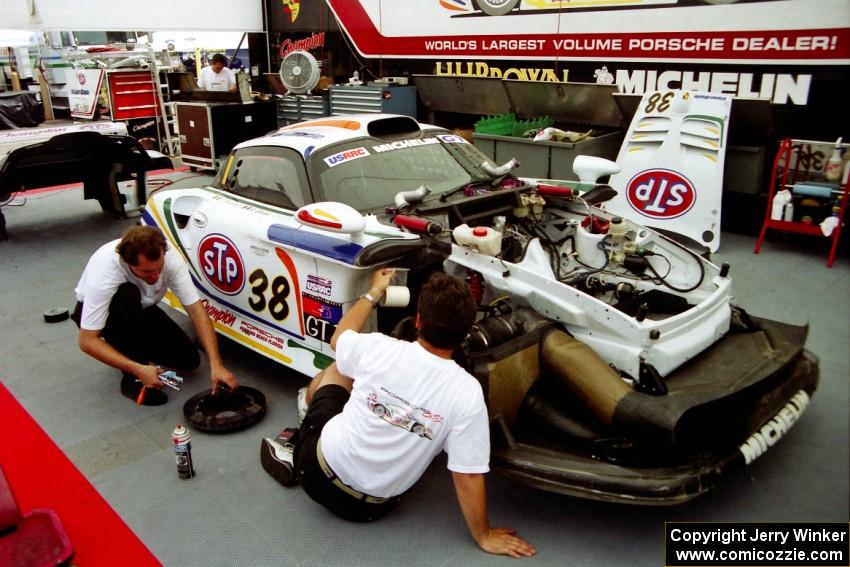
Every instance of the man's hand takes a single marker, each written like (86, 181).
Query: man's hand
(380, 281)
(221, 375)
(148, 374)
(504, 541)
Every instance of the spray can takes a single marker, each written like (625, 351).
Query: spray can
(833, 166)
(183, 452)
(788, 215)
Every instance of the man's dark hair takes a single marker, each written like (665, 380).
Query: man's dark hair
(219, 58)
(146, 241)
(446, 311)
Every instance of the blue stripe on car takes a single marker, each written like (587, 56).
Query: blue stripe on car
(327, 246)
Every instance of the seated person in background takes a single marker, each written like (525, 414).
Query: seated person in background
(121, 325)
(217, 77)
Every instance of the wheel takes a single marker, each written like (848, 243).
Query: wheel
(497, 7)
(418, 428)
(379, 410)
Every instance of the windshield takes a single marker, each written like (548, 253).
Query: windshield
(367, 174)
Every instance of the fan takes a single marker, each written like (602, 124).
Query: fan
(299, 72)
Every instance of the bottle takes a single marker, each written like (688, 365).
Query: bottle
(482, 239)
(833, 166)
(183, 452)
(617, 229)
(781, 199)
(788, 215)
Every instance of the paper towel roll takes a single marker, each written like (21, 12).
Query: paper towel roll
(396, 296)
(814, 190)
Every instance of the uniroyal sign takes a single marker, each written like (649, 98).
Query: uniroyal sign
(810, 32)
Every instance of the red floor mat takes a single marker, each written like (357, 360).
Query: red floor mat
(41, 476)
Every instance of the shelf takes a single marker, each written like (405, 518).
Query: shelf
(790, 169)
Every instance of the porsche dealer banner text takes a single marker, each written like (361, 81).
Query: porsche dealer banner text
(751, 32)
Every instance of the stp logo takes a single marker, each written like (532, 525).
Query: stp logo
(221, 264)
(660, 194)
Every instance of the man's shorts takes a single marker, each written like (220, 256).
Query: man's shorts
(328, 402)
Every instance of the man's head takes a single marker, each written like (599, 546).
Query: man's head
(218, 62)
(143, 249)
(446, 311)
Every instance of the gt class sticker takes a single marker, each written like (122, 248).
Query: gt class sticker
(221, 264)
(320, 317)
(345, 156)
(660, 194)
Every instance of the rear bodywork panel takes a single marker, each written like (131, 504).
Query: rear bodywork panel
(98, 161)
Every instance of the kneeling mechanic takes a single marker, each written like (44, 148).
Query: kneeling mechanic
(379, 415)
(121, 324)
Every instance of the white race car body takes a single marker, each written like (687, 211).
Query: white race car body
(239, 247)
(646, 341)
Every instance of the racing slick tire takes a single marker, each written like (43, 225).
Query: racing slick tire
(496, 7)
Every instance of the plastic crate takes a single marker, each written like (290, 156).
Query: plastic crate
(501, 125)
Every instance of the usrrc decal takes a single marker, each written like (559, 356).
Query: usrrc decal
(660, 194)
(221, 264)
(320, 285)
(345, 156)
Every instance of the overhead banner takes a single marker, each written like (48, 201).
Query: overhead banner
(83, 91)
(802, 32)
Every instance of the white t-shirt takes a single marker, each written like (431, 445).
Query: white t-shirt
(406, 406)
(209, 80)
(106, 271)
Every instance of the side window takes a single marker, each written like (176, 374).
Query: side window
(271, 175)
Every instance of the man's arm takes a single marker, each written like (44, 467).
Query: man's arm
(206, 334)
(357, 316)
(91, 344)
(471, 495)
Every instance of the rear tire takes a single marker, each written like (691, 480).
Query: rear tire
(496, 7)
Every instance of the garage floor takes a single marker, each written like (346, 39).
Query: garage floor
(232, 513)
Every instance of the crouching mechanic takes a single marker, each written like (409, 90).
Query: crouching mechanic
(121, 325)
(365, 440)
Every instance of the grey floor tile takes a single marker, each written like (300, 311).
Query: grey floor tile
(110, 450)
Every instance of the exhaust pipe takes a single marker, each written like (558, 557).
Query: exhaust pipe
(586, 375)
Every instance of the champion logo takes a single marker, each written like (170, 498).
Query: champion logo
(660, 194)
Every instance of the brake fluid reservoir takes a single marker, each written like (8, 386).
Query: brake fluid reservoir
(482, 239)
(617, 229)
(587, 246)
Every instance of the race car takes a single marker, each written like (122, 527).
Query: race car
(502, 7)
(399, 416)
(613, 363)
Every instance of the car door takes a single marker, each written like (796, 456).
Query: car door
(253, 283)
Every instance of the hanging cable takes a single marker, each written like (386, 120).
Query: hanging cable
(663, 279)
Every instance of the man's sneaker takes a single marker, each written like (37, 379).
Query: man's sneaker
(302, 404)
(276, 456)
